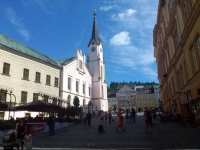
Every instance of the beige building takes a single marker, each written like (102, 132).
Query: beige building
(145, 100)
(125, 97)
(137, 97)
(26, 75)
(112, 101)
(177, 53)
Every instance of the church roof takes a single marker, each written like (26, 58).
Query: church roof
(95, 36)
(67, 60)
(21, 48)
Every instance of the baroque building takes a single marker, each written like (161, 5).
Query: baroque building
(177, 52)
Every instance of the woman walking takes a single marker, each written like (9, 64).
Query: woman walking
(21, 130)
(120, 120)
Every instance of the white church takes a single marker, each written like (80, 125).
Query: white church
(28, 76)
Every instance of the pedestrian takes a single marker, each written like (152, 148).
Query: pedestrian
(21, 130)
(84, 119)
(106, 116)
(102, 117)
(120, 120)
(130, 116)
(154, 117)
(148, 120)
(93, 114)
(127, 117)
(109, 116)
(89, 116)
(51, 123)
(28, 140)
(133, 115)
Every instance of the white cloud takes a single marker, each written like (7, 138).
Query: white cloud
(136, 53)
(16, 21)
(106, 8)
(121, 38)
(127, 13)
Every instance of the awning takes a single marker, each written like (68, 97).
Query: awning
(39, 106)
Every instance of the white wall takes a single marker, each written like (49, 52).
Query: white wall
(83, 76)
(15, 82)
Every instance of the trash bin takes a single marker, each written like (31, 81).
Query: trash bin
(10, 140)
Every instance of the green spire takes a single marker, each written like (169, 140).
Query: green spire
(95, 36)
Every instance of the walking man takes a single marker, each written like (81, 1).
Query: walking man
(109, 116)
(148, 120)
(89, 116)
(84, 119)
(133, 114)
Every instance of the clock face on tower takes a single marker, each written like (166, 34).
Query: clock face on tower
(93, 49)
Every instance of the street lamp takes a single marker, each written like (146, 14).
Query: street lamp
(8, 91)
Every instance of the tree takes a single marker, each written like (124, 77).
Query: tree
(76, 102)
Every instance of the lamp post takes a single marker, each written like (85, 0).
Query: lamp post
(8, 91)
(10, 104)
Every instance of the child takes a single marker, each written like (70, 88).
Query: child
(28, 140)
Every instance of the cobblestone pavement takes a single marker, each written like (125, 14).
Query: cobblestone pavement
(164, 136)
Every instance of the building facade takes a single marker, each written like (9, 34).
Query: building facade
(145, 101)
(157, 95)
(96, 65)
(137, 97)
(76, 80)
(26, 75)
(112, 102)
(125, 97)
(177, 53)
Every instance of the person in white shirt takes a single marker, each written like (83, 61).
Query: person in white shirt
(28, 140)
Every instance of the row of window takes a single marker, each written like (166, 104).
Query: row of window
(144, 97)
(112, 100)
(23, 96)
(6, 71)
(77, 86)
(145, 103)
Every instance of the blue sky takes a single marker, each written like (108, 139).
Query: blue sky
(57, 27)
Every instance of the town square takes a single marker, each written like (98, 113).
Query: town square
(100, 74)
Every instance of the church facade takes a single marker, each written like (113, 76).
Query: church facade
(32, 76)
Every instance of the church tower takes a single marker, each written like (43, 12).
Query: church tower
(96, 66)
